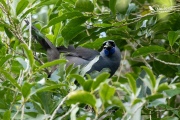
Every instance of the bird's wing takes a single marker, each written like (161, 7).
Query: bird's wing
(83, 53)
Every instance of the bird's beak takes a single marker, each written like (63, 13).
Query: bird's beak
(107, 45)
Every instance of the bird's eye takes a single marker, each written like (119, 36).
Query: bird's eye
(104, 43)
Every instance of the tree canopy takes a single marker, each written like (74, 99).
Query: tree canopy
(146, 86)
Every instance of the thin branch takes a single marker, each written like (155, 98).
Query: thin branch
(69, 111)
(55, 111)
(167, 63)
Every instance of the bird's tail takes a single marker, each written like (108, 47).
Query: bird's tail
(45, 43)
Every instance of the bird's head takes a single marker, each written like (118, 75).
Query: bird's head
(109, 47)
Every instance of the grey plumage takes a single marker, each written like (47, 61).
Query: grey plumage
(109, 57)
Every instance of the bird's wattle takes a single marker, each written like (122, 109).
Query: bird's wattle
(110, 51)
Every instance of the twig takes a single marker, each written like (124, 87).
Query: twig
(167, 63)
(55, 111)
(69, 111)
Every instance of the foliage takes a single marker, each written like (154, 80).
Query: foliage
(146, 31)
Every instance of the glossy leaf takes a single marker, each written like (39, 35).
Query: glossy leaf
(122, 6)
(26, 89)
(65, 16)
(148, 50)
(52, 63)
(73, 28)
(29, 55)
(10, 78)
(132, 82)
(5, 59)
(84, 5)
(173, 36)
(79, 78)
(151, 75)
(154, 97)
(163, 87)
(106, 92)
(81, 96)
(112, 4)
(47, 2)
(7, 115)
(101, 78)
(172, 92)
(87, 85)
(21, 6)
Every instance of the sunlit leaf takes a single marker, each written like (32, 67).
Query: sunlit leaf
(5, 59)
(26, 89)
(132, 82)
(106, 92)
(101, 78)
(87, 85)
(84, 5)
(154, 97)
(151, 75)
(29, 55)
(81, 96)
(52, 63)
(79, 78)
(21, 6)
(7, 115)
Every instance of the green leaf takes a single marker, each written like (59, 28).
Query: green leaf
(87, 85)
(73, 28)
(151, 75)
(52, 63)
(8, 33)
(132, 83)
(72, 33)
(170, 118)
(172, 37)
(154, 97)
(21, 6)
(47, 88)
(46, 2)
(163, 87)
(147, 50)
(79, 78)
(29, 54)
(112, 4)
(5, 59)
(84, 5)
(65, 16)
(101, 78)
(122, 6)
(26, 89)
(7, 115)
(104, 25)
(81, 96)
(172, 92)
(10, 78)
(27, 12)
(117, 101)
(106, 92)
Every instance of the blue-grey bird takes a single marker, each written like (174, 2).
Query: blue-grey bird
(109, 57)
